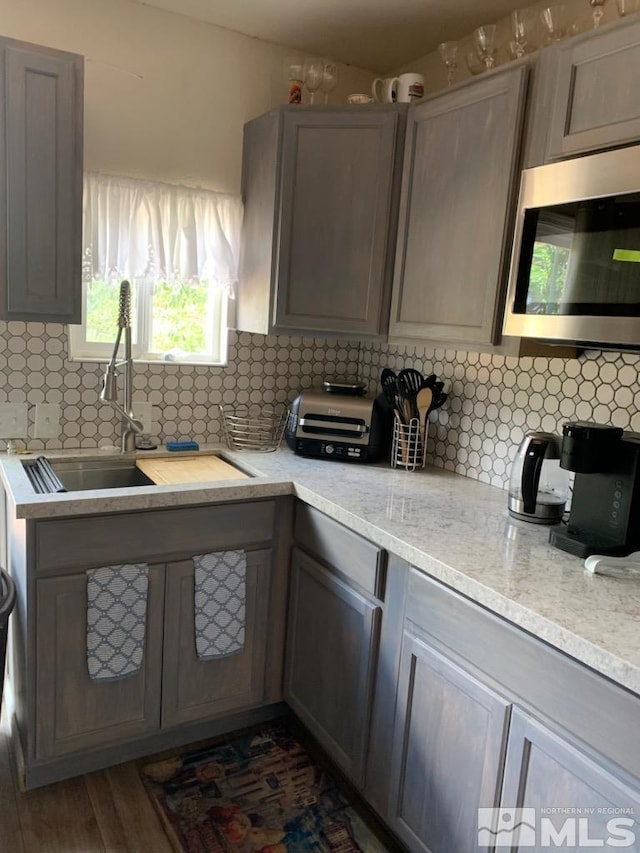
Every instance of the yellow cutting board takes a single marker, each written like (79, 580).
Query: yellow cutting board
(194, 469)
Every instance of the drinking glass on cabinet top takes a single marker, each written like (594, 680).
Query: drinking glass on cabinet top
(522, 24)
(598, 11)
(627, 7)
(313, 72)
(554, 20)
(294, 73)
(473, 62)
(329, 78)
(484, 38)
(448, 51)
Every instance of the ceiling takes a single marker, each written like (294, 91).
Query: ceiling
(378, 35)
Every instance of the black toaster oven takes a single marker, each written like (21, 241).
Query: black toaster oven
(345, 427)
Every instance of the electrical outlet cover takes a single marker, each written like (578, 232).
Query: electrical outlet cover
(13, 420)
(143, 411)
(47, 420)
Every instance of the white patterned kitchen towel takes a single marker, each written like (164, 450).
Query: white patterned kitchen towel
(220, 592)
(116, 617)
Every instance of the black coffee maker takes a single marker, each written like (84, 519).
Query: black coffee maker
(605, 505)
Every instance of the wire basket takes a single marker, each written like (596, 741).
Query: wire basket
(253, 427)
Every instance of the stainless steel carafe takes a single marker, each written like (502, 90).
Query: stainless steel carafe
(539, 487)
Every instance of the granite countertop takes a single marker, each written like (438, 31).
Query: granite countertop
(455, 529)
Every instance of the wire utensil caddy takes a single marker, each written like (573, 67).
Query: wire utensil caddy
(253, 427)
(408, 447)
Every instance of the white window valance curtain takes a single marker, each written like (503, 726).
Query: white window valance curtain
(142, 230)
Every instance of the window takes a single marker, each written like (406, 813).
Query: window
(178, 248)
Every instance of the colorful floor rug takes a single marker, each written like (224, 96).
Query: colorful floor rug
(258, 793)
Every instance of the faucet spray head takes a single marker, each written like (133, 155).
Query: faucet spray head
(109, 391)
(124, 308)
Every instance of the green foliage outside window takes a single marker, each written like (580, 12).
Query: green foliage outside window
(179, 314)
(548, 273)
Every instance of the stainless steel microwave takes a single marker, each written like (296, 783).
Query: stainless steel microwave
(575, 268)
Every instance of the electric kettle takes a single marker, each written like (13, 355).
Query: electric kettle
(539, 487)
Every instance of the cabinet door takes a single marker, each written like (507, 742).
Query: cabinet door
(596, 103)
(461, 157)
(74, 712)
(572, 796)
(449, 741)
(331, 656)
(335, 208)
(40, 184)
(193, 689)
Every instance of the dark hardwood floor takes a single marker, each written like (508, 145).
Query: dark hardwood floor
(103, 812)
(108, 811)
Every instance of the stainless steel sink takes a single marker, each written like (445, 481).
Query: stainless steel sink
(99, 474)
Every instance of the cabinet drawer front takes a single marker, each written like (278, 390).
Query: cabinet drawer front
(595, 105)
(357, 558)
(79, 543)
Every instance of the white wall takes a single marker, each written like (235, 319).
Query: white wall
(165, 96)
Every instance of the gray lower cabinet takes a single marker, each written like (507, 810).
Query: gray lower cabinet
(321, 188)
(593, 101)
(488, 717)
(69, 723)
(449, 741)
(194, 689)
(72, 711)
(41, 120)
(573, 798)
(459, 178)
(332, 644)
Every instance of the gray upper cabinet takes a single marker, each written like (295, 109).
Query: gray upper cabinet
(459, 178)
(594, 99)
(40, 183)
(320, 188)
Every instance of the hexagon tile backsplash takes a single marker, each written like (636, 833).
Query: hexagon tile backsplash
(34, 368)
(495, 400)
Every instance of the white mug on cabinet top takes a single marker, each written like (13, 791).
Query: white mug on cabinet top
(402, 89)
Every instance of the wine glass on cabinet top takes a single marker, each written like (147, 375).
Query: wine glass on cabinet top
(598, 11)
(448, 51)
(484, 38)
(555, 23)
(627, 7)
(522, 24)
(329, 78)
(313, 71)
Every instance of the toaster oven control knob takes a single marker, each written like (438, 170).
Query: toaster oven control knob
(328, 449)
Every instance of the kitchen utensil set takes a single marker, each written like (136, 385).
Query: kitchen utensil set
(402, 390)
(411, 396)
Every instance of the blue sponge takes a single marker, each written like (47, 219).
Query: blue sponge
(183, 445)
